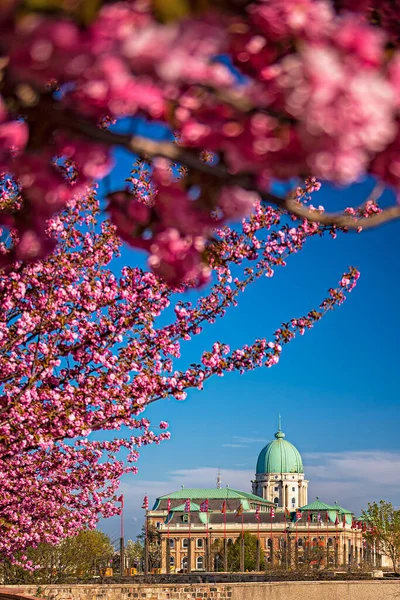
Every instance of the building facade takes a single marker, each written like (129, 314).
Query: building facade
(198, 525)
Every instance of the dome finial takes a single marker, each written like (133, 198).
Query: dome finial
(279, 434)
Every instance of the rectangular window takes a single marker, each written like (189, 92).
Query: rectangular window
(293, 489)
(158, 524)
(276, 489)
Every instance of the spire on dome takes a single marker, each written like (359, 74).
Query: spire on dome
(279, 434)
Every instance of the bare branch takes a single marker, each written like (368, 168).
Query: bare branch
(340, 219)
(147, 148)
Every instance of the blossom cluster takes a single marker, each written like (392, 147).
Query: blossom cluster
(82, 350)
(309, 88)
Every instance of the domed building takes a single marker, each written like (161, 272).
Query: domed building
(280, 474)
(198, 525)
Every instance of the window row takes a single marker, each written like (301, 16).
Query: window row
(301, 541)
(185, 543)
(267, 542)
(184, 562)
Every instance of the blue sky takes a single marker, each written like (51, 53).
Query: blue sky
(337, 387)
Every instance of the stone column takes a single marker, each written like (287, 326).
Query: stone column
(206, 555)
(165, 558)
(189, 555)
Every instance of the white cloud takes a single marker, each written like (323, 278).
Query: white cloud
(354, 478)
(233, 445)
(247, 440)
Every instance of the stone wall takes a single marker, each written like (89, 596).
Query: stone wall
(291, 590)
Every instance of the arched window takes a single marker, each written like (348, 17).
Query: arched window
(184, 563)
(268, 543)
(199, 563)
(276, 500)
(293, 501)
(199, 542)
(172, 561)
(330, 541)
(185, 543)
(230, 541)
(300, 542)
(171, 543)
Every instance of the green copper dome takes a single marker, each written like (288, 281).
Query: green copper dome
(279, 456)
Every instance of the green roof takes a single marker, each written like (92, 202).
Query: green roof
(211, 494)
(279, 456)
(317, 505)
(332, 511)
(342, 510)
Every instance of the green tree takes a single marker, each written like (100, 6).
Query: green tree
(384, 530)
(134, 552)
(217, 554)
(250, 554)
(79, 556)
(154, 545)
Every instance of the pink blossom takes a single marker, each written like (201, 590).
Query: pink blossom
(236, 203)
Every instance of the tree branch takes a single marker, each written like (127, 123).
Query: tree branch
(147, 148)
(340, 219)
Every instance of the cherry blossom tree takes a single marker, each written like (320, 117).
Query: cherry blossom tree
(82, 351)
(249, 92)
